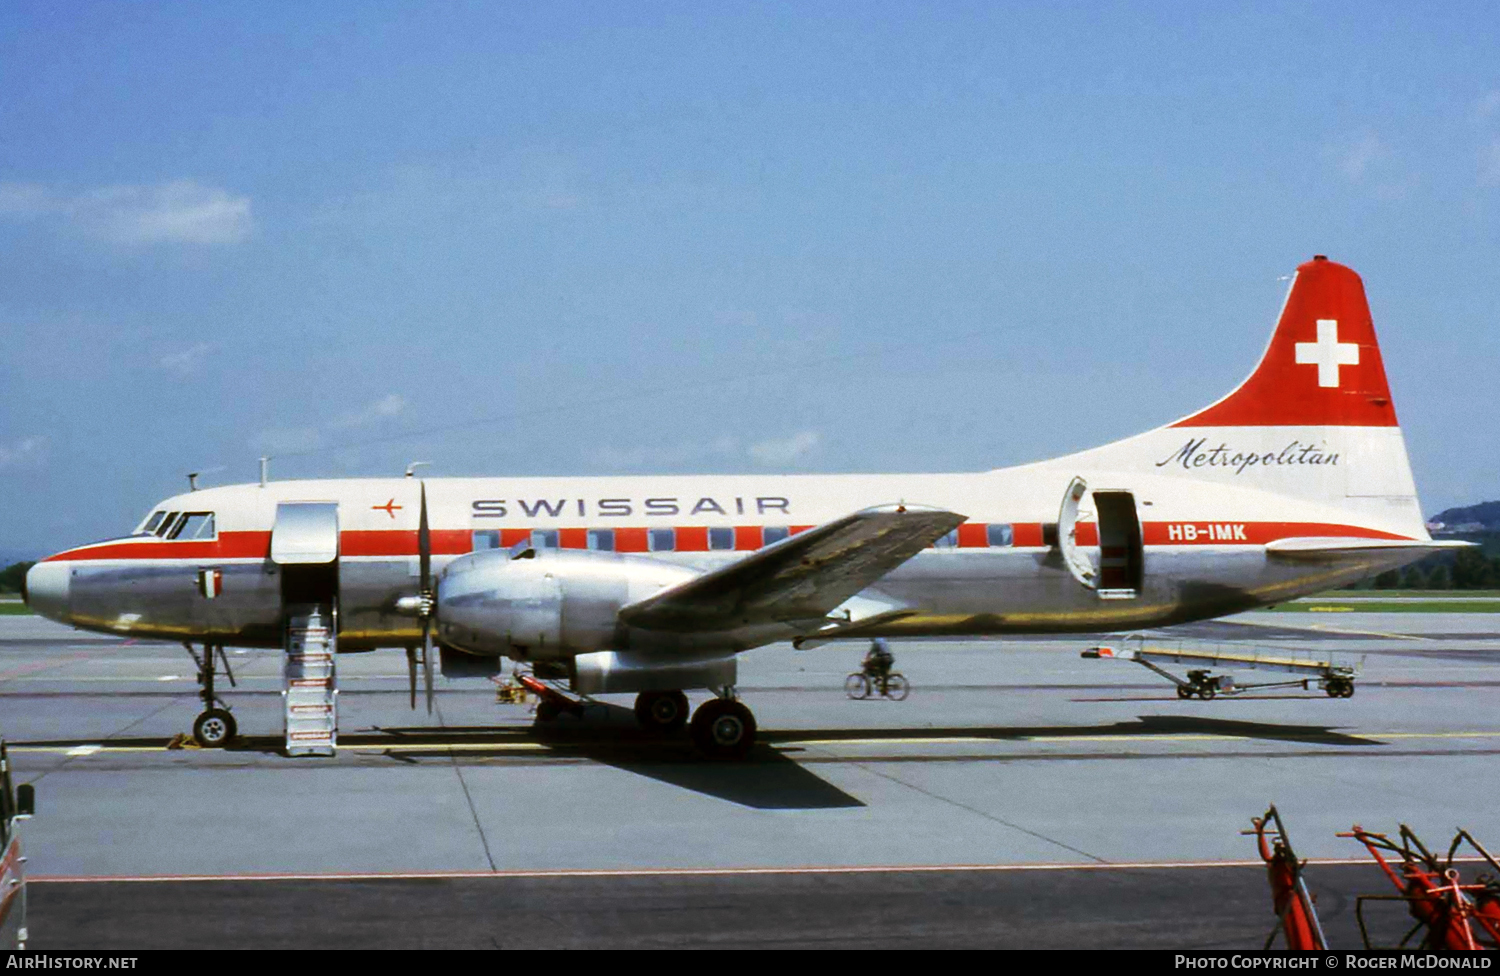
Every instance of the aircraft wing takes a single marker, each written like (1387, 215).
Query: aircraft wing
(1333, 547)
(801, 578)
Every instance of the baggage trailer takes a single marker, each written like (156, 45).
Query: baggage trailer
(1335, 680)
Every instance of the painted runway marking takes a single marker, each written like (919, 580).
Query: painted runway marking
(88, 750)
(1368, 633)
(681, 872)
(689, 872)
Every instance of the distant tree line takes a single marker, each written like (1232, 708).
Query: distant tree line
(12, 575)
(1466, 569)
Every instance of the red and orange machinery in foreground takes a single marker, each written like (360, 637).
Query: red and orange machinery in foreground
(15, 805)
(1448, 913)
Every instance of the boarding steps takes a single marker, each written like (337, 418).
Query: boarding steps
(311, 687)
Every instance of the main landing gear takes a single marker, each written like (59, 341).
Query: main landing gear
(214, 727)
(722, 727)
(661, 711)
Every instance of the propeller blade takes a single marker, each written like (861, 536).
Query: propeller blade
(427, 659)
(424, 556)
(424, 545)
(411, 675)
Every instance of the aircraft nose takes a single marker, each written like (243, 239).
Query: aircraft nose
(47, 590)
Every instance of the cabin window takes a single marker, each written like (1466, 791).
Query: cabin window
(1000, 536)
(193, 525)
(544, 539)
(602, 540)
(662, 540)
(773, 533)
(949, 541)
(486, 539)
(721, 537)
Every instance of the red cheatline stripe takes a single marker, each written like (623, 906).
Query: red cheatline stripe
(453, 542)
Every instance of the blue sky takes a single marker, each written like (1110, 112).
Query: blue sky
(599, 238)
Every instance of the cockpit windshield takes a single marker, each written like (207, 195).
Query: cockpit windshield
(194, 525)
(178, 525)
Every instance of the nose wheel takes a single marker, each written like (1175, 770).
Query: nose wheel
(661, 711)
(214, 728)
(723, 728)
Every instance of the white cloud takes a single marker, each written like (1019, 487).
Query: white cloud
(28, 452)
(1489, 164)
(300, 440)
(286, 440)
(387, 406)
(179, 212)
(777, 452)
(665, 455)
(187, 361)
(1357, 159)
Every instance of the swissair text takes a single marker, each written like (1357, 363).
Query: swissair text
(614, 507)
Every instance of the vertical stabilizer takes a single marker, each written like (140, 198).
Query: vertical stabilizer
(1313, 421)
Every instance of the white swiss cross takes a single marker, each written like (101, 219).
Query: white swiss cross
(1328, 353)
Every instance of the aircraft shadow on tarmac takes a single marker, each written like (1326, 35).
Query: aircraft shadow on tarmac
(769, 779)
(608, 734)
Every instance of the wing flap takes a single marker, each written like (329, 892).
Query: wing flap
(801, 578)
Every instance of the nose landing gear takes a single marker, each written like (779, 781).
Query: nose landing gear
(214, 727)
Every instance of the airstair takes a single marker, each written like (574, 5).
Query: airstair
(311, 688)
(1334, 678)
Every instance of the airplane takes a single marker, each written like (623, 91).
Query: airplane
(1295, 482)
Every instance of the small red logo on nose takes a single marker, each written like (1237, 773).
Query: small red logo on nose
(390, 508)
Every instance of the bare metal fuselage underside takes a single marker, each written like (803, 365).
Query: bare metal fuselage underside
(954, 592)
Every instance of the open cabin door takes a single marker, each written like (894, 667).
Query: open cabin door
(1118, 571)
(305, 544)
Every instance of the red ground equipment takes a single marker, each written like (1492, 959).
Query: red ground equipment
(1296, 916)
(1448, 913)
(552, 702)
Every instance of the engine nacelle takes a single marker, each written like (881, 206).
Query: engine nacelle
(549, 605)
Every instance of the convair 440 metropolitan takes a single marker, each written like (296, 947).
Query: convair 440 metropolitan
(1296, 482)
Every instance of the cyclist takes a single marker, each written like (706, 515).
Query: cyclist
(878, 662)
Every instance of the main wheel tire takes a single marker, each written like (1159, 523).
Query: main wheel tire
(857, 686)
(723, 729)
(1183, 691)
(661, 711)
(547, 711)
(897, 687)
(214, 729)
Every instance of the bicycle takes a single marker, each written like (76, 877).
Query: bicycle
(862, 684)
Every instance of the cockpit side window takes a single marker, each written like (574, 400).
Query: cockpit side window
(194, 525)
(164, 529)
(151, 524)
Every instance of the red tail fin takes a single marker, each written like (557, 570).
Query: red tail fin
(1323, 366)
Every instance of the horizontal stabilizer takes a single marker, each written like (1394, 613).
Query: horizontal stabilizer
(1318, 547)
(802, 578)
